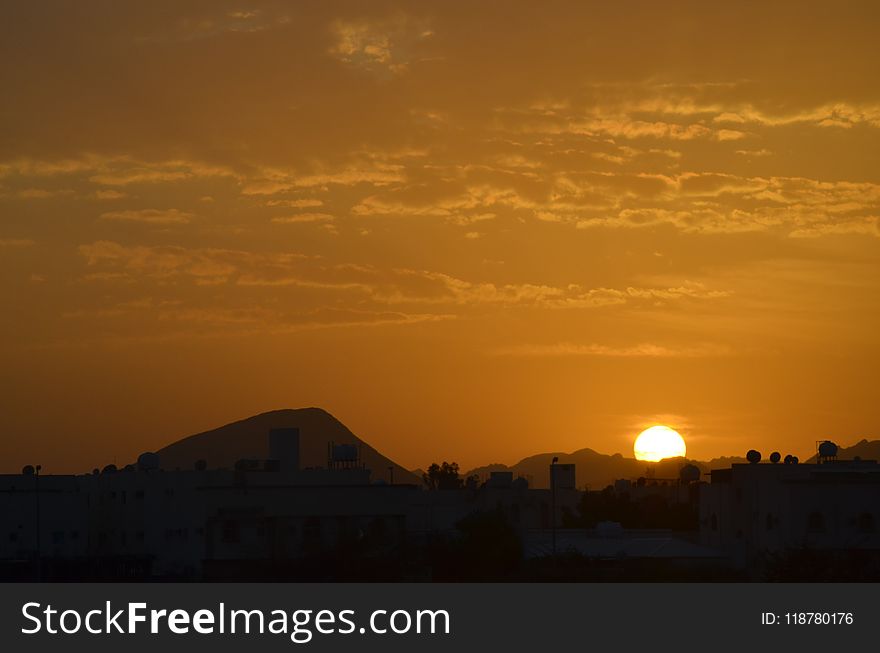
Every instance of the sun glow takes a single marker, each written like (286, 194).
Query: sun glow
(659, 442)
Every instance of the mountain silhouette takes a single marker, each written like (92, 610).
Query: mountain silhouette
(598, 470)
(249, 438)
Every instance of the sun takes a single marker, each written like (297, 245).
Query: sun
(657, 443)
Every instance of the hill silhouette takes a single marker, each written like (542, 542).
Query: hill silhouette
(248, 438)
(598, 470)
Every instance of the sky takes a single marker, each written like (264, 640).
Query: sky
(472, 231)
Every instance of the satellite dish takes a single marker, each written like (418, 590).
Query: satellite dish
(794, 460)
(787, 459)
(774, 457)
(109, 469)
(753, 456)
(27, 470)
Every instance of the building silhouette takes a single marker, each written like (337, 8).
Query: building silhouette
(750, 510)
(143, 521)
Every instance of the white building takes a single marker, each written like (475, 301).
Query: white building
(751, 509)
(146, 521)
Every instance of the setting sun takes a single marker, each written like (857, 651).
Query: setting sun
(659, 442)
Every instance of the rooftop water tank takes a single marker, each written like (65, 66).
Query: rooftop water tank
(827, 449)
(344, 453)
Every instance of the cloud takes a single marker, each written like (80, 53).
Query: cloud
(217, 24)
(109, 195)
(364, 285)
(643, 350)
(149, 216)
(110, 170)
(300, 218)
(125, 172)
(754, 153)
(439, 288)
(16, 243)
(42, 193)
(868, 226)
(272, 181)
(378, 45)
(203, 266)
(296, 204)
(629, 128)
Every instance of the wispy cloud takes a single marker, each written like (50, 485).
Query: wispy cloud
(15, 242)
(300, 218)
(643, 350)
(387, 45)
(149, 216)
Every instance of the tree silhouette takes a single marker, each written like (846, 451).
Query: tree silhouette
(442, 477)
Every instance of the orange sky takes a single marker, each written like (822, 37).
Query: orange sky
(472, 231)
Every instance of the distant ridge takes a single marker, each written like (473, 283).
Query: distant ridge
(598, 470)
(248, 438)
